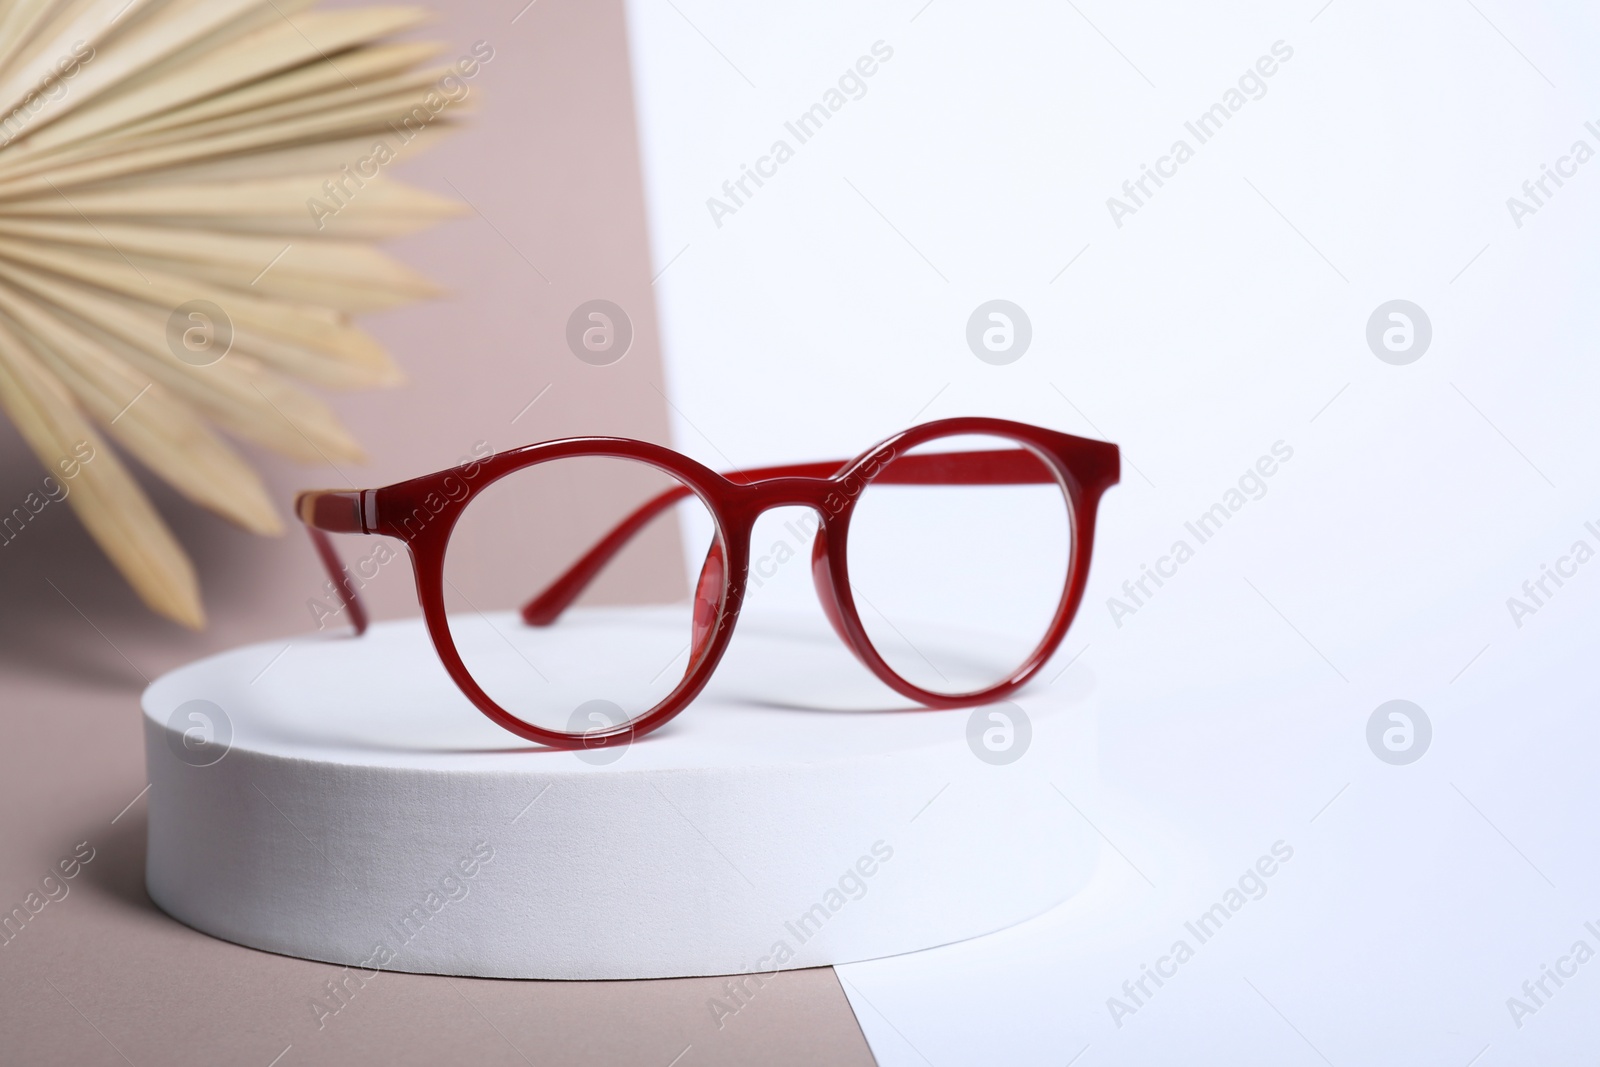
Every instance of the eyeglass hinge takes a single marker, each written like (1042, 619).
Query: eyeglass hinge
(369, 511)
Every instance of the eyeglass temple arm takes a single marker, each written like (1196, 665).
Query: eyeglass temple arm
(325, 511)
(999, 467)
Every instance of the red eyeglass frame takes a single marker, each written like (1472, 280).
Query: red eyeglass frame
(423, 511)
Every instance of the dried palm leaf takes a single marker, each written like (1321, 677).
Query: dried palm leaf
(186, 189)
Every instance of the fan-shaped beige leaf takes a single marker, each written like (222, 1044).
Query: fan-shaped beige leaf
(385, 207)
(342, 275)
(313, 338)
(18, 21)
(237, 393)
(181, 103)
(163, 156)
(104, 495)
(283, 43)
(373, 116)
(91, 23)
(311, 163)
(143, 44)
(151, 423)
(374, 106)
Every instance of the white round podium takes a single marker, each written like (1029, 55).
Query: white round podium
(337, 798)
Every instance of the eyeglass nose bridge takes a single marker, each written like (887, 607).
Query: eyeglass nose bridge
(824, 495)
(830, 499)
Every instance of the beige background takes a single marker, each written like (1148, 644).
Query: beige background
(550, 166)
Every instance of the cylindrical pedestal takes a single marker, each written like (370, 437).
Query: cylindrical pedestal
(341, 801)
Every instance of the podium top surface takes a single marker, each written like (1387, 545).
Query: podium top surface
(787, 692)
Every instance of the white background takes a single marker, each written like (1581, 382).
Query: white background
(1228, 313)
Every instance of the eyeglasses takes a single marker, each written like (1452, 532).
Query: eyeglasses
(950, 558)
